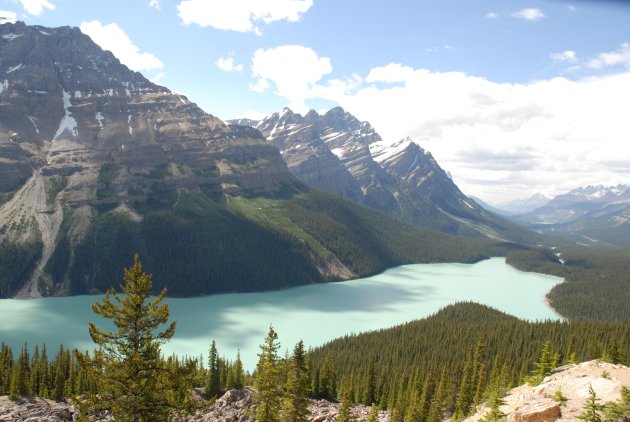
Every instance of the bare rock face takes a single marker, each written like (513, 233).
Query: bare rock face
(536, 404)
(543, 411)
(32, 409)
(236, 406)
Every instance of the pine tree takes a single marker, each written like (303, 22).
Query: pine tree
(592, 408)
(44, 379)
(466, 391)
(20, 376)
(494, 402)
(239, 373)
(436, 410)
(345, 413)
(133, 381)
(213, 381)
(373, 416)
(295, 408)
(268, 398)
(369, 392)
(328, 379)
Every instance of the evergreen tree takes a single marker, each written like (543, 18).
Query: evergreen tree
(295, 408)
(44, 378)
(494, 402)
(133, 381)
(543, 366)
(619, 411)
(373, 416)
(20, 376)
(369, 392)
(592, 408)
(436, 410)
(345, 413)
(213, 381)
(238, 372)
(269, 394)
(328, 379)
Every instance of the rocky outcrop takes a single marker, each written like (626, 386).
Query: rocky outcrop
(32, 409)
(233, 406)
(536, 403)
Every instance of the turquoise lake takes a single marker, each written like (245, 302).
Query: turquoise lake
(314, 313)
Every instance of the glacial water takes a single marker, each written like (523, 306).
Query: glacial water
(314, 313)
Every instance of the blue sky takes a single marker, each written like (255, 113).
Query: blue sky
(511, 97)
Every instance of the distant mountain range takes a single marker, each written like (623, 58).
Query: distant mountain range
(591, 215)
(339, 154)
(98, 163)
(517, 206)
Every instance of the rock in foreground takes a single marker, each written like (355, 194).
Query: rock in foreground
(536, 403)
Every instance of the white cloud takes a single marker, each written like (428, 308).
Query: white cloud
(502, 140)
(530, 14)
(227, 64)
(241, 15)
(492, 15)
(612, 58)
(293, 69)
(111, 37)
(158, 78)
(36, 7)
(572, 8)
(155, 4)
(565, 56)
(7, 16)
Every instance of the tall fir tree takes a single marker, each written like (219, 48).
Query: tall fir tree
(213, 381)
(295, 407)
(268, 397)
(133, 382)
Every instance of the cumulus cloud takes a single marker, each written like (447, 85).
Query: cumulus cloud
(492, 15)
(502, 140)
(612, 58)
(293, 69)
(227, 64)
(565, 56)
(155, 4)
(241, 15)
(36, 7)
(529, 14)
(7, 16)
(112, 37)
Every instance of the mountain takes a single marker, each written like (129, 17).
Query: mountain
(522, 205)
(591, 214)
(338, 153)
(98, 163)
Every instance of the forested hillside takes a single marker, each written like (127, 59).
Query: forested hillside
(457, 358)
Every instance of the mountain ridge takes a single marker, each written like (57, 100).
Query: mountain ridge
(338, 153)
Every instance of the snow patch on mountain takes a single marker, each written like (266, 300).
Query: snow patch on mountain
(32, 119)
(67, 121)
(11, 36)
(382, 151)
(14, 68)
(99, 118)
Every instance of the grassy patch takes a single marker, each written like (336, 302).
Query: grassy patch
(54, 185)
(272, 213)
